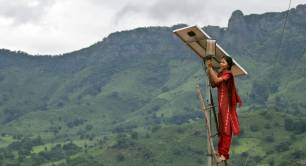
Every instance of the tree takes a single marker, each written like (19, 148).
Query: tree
(134, 135)
(120, 157)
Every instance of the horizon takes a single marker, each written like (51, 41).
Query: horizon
(46, 32)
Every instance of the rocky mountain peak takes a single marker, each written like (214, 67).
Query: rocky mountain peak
(301, 9)
(236, 20)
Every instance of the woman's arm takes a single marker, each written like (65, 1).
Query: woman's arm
(212, 75)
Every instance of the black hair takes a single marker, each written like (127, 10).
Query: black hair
(229, 61)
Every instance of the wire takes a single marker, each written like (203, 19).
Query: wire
(283, 31)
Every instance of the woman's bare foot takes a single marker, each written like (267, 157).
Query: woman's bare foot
(220, 159)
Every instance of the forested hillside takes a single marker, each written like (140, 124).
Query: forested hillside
(130, 98)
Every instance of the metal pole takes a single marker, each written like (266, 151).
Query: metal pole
(210, 51)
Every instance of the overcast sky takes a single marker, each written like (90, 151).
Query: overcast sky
(59, 26)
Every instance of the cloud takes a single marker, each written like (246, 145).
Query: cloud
(24, 11)
(202, 12)
(173, 8)
(59, 26)
(161, 11)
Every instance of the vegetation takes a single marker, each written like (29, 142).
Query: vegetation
(130, 99)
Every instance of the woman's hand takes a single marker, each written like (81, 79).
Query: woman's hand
(209, 63)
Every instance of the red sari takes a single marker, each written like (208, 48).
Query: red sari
(227, 115)
(227, 101)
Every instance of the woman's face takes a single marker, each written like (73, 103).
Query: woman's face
(223, 64)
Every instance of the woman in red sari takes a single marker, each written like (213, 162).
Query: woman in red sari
(227, 101)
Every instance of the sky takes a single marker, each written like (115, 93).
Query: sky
(53, 27)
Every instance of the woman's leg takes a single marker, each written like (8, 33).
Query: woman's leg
(224, 145)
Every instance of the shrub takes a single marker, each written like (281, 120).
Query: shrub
(134, 135)
(283, 146)
(120, 157)
(269, 138)
(253, 128)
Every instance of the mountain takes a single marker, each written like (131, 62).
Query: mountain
(130, 98)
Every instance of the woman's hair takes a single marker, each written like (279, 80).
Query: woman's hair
(229, 61)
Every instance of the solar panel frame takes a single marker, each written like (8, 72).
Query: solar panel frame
(196, 38)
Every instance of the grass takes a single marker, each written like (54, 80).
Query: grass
(144, 90)
(6, 140)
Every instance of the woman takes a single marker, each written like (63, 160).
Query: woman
(227, 100)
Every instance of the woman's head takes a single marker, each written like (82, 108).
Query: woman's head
(226, 63)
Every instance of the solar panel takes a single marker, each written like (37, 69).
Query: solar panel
(197, 40)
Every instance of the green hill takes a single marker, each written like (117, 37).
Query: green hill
(130, 98)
